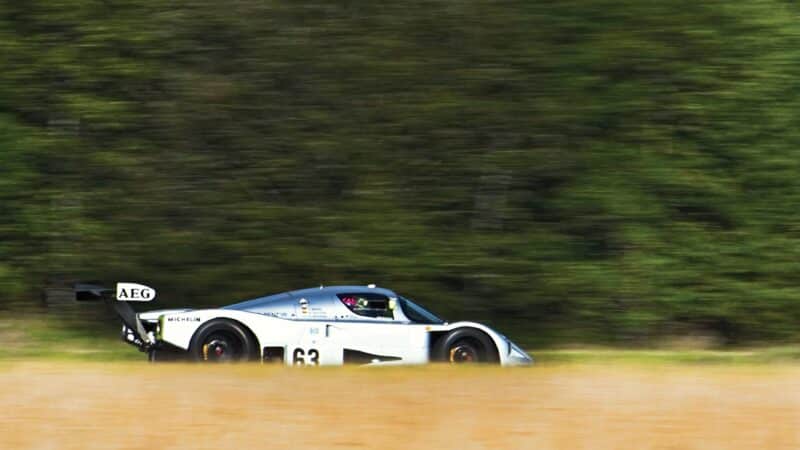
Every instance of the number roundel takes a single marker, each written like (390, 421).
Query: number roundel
(301, 357)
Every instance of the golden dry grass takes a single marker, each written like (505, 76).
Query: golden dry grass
(141, 406)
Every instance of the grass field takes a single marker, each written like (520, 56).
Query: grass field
(60, 389)
(124, 405)
(48, 339)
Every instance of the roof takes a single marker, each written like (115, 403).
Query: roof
(322, 291)
(333, 290)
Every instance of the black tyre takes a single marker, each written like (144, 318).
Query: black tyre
(223, 341)
(464, 346)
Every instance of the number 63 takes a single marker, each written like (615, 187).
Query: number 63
(299, 357)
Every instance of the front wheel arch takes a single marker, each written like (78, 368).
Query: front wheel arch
(441, 343)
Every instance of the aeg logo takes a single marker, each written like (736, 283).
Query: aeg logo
(134, 292)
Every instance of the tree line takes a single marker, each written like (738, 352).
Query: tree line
(572, 172)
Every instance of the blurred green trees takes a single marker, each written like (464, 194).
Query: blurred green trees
(571, 171)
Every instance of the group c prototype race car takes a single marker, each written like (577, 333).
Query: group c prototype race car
(318, 326)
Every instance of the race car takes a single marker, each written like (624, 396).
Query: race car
(330, 325)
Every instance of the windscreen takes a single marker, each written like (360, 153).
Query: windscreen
(418, 314)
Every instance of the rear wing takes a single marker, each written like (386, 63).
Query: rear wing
(94, 292)
(117, 299)
(85, 292)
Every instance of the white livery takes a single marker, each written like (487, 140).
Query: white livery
(319, 326)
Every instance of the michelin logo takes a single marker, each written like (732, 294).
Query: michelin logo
(134, 292)
(183, 319)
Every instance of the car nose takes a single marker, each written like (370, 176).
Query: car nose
(517, 356)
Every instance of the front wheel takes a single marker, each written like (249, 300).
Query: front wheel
(465, 346)
(221, 341)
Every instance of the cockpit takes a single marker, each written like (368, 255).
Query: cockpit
(380, 306)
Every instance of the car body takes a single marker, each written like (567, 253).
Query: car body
(318, 326)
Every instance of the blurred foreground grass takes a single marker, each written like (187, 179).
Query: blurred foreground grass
(47, 339)
(125, 405)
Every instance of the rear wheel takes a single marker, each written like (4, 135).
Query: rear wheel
(465, 346)
(221, 341)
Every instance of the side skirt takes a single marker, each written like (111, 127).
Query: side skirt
(359, 357)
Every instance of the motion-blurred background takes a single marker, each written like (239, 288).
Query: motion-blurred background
(612, 172)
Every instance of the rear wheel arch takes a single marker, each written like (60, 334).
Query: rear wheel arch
(232, 327)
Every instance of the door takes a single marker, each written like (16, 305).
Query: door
(369, 330)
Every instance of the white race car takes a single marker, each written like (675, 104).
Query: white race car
(319, 326)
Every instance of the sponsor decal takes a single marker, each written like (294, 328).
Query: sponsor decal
(183, 319)
(301, 358)
(135, 292)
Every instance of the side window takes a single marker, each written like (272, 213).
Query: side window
(368, 304)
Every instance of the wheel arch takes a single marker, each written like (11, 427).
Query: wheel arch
(436, 336)
(221, 320)
(180, 328)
